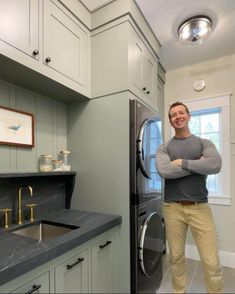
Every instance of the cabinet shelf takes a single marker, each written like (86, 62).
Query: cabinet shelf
(36, 174)
(23, 178)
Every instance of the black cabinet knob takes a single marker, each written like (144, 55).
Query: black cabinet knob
(144, 88)
(148, 92)
(35, 52)
(48, 59)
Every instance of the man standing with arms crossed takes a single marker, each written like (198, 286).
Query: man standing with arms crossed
(184, 162)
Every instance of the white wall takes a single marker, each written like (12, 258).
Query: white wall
(219, 75)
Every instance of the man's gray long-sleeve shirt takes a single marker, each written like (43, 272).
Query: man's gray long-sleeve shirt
(199, 159)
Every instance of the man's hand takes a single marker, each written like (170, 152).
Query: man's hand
(177, 162)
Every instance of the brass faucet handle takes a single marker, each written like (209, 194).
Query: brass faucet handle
(5, 213)
(31, 206)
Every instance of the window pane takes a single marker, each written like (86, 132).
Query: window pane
(206, 124)
(212, 185)
(194, 125)
(210, 123)
(214, 137)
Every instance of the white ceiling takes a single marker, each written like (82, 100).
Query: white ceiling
(164, 17)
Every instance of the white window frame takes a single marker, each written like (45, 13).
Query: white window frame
(222, 101)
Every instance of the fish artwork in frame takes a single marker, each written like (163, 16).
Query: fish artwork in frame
(16, 127)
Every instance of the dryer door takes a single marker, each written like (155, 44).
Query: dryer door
(149, 139)
(151, 244)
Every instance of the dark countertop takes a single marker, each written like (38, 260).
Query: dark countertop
(19, 254)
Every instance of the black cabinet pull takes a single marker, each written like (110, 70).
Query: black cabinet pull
(35, 288)
(69, 266)
(148, 92)
(144, 88)
(106, 244)
(35, 52)
(48, 59)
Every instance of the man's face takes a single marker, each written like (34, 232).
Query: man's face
(179, 117)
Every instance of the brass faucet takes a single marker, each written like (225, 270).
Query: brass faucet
(19, 202)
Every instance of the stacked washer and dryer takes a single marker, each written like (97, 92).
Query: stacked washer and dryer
(146, 220)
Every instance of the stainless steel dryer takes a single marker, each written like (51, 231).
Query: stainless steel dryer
(147, 228)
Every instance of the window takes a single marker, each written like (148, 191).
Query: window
(210, 120)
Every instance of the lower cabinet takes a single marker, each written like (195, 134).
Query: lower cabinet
(89, 268)
(71, 276)
(37, 285)
(104, 265)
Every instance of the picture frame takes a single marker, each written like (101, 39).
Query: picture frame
(16, 127)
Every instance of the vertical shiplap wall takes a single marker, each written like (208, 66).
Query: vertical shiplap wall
(50, 128)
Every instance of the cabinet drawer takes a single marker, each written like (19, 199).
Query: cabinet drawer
(37, 285)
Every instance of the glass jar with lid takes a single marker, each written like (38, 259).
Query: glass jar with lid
(45, 163)
(56, 164)
(65, 158)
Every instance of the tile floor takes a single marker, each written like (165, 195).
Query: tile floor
(195, 281)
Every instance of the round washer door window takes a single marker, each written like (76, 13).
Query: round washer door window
(151, 244)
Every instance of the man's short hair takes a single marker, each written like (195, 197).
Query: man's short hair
(177, 104)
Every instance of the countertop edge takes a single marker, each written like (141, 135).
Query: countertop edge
(49, 253)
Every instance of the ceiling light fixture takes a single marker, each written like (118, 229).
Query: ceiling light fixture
(195, 29)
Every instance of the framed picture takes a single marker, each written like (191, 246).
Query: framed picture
(16, 127)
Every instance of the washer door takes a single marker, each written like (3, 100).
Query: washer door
(149, 138)
(151, 244)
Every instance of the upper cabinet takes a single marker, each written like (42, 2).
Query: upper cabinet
(65, 44)
(124, 53)
(19, 25)
(123, 60)
(143, 69)
(50, 43)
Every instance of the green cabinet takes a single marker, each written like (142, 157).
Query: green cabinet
(44, 42)
(127, 63)
(104, 265)
(39, 284)
(65, 44)
(32, 282)
(71, 275)
(19, 25)
(143, 69)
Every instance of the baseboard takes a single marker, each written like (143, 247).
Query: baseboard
(226, 258)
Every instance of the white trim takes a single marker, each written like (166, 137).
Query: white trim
(207, 97)
(223, 200)
(226, 258)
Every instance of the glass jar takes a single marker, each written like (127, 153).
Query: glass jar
(56, 164)
(45, 163)
(65, 158)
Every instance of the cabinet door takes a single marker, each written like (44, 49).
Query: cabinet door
(19, 24)
(65, 44)
(71, 276)
(160, 88)
(37, 285)
(143, 69)
(136, 62)
(149, 75)
(104, 266)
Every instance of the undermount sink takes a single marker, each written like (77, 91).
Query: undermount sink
(44, 230)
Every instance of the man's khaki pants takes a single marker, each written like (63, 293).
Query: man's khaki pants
(200, 220)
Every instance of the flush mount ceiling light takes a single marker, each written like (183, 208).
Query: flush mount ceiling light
(195, 29)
